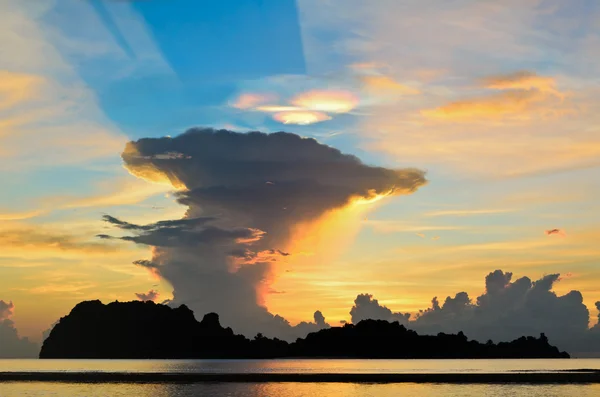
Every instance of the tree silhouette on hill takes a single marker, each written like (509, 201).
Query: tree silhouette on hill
(148, 330)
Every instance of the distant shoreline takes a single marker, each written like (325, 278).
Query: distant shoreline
(579, 376)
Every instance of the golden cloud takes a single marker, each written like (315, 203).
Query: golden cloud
(516, 104)
(42, 122)
(146, 170)
(525, 95)
(17, 216)
(49, 116)
(331, 101)
(367, 65)
(28, 242)
(122, 191)
(469, 212)
(17, 87)
(385, 84)
(303, 117)
(62, 288)
(523, 80)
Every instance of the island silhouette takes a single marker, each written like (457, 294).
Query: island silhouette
(146, 330)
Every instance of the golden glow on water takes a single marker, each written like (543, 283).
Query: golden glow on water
(298, 366)
(293, 390)
(39, 389)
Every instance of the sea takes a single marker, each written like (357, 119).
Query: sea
(67, 389)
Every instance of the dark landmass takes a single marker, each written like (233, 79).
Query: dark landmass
(145, 330)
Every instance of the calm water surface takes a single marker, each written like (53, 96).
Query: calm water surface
(298, 366)
(292, 390)
(37, 389)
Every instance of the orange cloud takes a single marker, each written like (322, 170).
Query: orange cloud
(385, 84)
(523, 80)
(326, 101)
(250, 100)
(151, 295)
(124, 191)
(524, 95)
(367, 65)
(17, 216)
(17, 87)
(468, 212)
(75, 288)
(24, 241)
(303, 117)
(516, 103)
(257, 235)
(371, 197)
(249, 258)
(555, 232)
(42, 120)
(146, 169)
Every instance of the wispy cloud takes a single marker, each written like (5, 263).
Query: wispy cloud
(523, 80)
(385, 85)
(75, 288)
(117, 191)
(292, 98)
(29, 242)
(512, 122)
(522, 245)
(400, 226)
(49, 105)
(467, 212)
(524, 95)
(16, 216)
(122, 191)
(252, 100)
(307, 107)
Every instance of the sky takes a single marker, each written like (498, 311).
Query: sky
(476, 124)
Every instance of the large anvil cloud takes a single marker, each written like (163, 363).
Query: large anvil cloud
(245, 192)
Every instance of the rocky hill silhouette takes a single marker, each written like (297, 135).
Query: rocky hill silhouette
(137, 329)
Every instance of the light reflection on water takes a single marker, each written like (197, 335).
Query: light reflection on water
(298, 366)
(56, 389)
(291, 390)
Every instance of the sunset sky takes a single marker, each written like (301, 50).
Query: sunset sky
(498, 102)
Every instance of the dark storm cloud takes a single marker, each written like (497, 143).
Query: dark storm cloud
(151, 295)
(509, 309)
(255, 188)
(6, 310)
(185, 232)
(365, 307)
(506, 310)
(182, 224)
(319, 323)
(226, 158)
(11, 345)
(320, 319)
